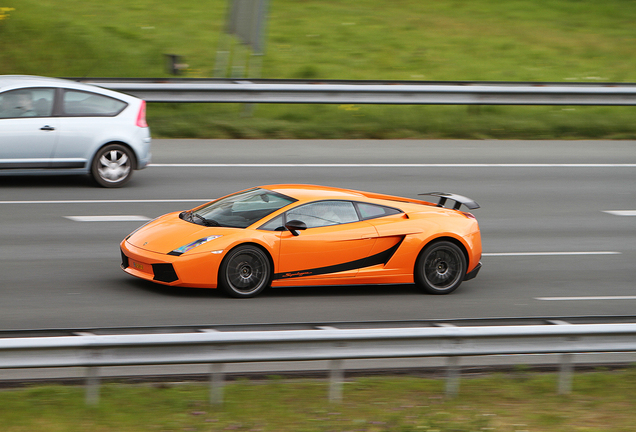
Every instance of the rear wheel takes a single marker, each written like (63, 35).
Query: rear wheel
(112, 166)
(440, 268)
(245, 272)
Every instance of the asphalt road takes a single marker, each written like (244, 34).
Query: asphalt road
(551, 248)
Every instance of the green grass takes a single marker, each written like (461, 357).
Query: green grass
(520, 401)
(496, 40)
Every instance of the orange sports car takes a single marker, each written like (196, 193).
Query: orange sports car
(301, 235)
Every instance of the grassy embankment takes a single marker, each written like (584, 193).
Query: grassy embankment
(516, 402)
(535, 40)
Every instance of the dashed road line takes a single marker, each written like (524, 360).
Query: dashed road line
(589, 298)
(621, 212)
(516, 254)
(111, 218)
(389, 165)
(108, 201)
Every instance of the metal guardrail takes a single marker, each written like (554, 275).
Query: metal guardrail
(326, 343)
(370, 92)
(376, 324)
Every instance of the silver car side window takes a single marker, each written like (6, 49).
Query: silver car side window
(81, 103)
(29, 102)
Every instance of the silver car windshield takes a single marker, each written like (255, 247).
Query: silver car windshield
(239, 210)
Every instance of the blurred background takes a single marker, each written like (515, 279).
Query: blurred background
(480, 40)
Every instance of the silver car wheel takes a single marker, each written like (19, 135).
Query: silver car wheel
(112, 166)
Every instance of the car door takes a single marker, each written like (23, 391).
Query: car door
(85, 118)
(335, 243)
(28, 131)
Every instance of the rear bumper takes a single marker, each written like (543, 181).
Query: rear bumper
(144, 155)
(473, 273)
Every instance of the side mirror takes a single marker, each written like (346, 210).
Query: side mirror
(295, 225)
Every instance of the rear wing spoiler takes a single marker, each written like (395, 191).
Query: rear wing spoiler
(459, 200)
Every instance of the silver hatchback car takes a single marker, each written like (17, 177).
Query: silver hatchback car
(55, 125)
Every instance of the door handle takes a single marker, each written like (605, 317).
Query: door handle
(47, 128)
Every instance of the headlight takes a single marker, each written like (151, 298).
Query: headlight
(185, 248)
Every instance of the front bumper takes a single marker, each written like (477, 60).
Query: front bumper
(140, 267)
(196, 270)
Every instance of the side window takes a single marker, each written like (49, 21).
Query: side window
(80, 103)
(30, 102)
(324, 213)
(275, 224)
(372, 211)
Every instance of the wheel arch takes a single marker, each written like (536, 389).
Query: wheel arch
(247, 243)
(450, 239)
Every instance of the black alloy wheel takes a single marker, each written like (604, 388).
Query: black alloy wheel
(245, 272)
(440, 268)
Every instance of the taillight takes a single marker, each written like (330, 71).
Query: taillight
(141, 116)
(469, 215)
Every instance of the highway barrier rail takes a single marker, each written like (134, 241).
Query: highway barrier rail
(370, 92)
(209, 345)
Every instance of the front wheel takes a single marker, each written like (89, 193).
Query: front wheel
(440, 268)
(245, 272)
(112, 166)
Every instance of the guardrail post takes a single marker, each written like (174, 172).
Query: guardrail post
(336, 377)
(452, 376)
(565, 374)
(217, 382)
(92, 385)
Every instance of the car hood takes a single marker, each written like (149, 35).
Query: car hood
(169, 232)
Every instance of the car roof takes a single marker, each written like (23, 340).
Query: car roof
(9, 82)
(29, 79)
(304, 192)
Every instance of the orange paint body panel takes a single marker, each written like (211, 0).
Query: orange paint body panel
(341, 237)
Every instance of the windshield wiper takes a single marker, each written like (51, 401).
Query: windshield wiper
(206, 222)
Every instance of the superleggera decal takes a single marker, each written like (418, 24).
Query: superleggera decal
(379, 258)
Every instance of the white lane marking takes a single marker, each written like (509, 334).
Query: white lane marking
(391, 165)
(586, 298)
(621, 212)
(107, 201)
(515, 254)
(118, 218)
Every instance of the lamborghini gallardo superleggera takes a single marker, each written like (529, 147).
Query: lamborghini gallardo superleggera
(302, 235)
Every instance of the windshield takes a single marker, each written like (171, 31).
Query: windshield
(239, 210)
